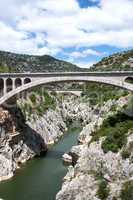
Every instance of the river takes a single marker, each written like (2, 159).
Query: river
(41, 178)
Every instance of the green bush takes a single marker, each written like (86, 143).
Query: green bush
(113, 108)
(125, 154)
(103, 190)
(127, 191)
(33, 98)
(115, 139)
(115, 130)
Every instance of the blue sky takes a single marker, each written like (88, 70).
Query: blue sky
(86, 3)
(79, 31)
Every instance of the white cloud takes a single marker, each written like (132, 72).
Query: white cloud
(85, 53)
(94, 0)
(59, 6)
(60, 24)
(82, 27)
(85, 64)
(19, 42)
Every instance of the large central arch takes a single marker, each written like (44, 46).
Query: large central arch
(43, 81)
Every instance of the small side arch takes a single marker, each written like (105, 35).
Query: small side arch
(27, 80)
(9, 84)
(1, 87)
(129, 80)
(18, 82)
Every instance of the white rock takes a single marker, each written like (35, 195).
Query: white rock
(67, 158)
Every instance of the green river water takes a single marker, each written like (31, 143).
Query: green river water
(41, 178)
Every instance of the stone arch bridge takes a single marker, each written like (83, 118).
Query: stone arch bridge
(12, 84)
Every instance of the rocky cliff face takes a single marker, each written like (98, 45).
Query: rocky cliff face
(97, 174)
(23, 137)
(21, 140)
(50, 126)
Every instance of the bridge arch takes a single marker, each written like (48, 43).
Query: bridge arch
(47, 80)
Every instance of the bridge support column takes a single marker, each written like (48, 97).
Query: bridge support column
(5, 87)
(22, 81)
(13, 84)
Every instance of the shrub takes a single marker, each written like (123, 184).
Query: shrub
(127, 191)
(115, 129)
(125, 154)
(116, 136)
(103, 190)
(113, 108)
(33, 98)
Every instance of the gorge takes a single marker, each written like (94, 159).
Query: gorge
(101, 165)
(41, 178)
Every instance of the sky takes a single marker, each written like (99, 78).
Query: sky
(78, 31)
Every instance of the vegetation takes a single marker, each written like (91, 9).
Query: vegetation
(100, 93)
(125, 153)
(114, 129)
(5, 69)
(27, 63)
(127, 191)
(115, 62)
(38, 102)
(103, 190)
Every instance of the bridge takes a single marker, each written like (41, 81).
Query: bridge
(12, 84)
(72, 92)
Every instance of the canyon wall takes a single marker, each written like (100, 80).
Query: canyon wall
(101, 165)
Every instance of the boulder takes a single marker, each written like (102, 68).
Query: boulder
(67, 159)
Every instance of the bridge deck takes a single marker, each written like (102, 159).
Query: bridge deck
(55, 74)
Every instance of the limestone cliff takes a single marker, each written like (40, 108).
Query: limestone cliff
(18, 142)
(21, 140)
(103, 167)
